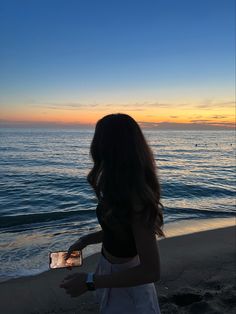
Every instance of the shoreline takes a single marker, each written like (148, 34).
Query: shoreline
(197, 272)
(189, 226)
(171, 229)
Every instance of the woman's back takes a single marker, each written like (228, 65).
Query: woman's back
(118, 242)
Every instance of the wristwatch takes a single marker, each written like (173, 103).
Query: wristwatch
(90, 282)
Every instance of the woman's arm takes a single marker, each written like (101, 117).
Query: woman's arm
(149, 268)
(93, 238)
(82, 242)
(147, 271)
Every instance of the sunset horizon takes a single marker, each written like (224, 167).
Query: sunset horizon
(149, 114)
(166, 66)
(152, 115)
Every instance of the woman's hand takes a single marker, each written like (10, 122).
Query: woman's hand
(75, 284)
(77, 246)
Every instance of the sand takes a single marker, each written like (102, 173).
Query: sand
(198, 275)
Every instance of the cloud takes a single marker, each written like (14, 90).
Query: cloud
(200, 120)
(26, 123)
(77, 105)
(161, 105)
(219, 117)
(135, 109)
(216, 123)
(209, 104)
(230, 124)
(204, 125)
(65, 106)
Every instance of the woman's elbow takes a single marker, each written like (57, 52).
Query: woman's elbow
(156, 276)
(151, 272)
(153, 275)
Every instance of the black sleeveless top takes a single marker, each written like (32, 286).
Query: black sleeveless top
(114, 243)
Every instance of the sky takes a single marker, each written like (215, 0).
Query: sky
(164, 62)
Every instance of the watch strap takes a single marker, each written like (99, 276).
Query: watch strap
(90, 282)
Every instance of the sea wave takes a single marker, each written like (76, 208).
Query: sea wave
(178, 190)
(16, 220)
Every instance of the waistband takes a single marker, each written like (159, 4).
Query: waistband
(131, 263)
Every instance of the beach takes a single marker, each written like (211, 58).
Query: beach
(197, 276)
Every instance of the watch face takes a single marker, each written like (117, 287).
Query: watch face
(90, 286)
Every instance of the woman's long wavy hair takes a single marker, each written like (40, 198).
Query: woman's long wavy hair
(124, 173)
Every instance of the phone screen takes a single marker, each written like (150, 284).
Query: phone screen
(57, 259)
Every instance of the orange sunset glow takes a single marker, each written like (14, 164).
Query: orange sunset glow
(217, 113)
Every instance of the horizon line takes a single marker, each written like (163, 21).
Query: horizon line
(147, 125)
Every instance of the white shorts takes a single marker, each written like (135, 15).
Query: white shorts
(141, 299)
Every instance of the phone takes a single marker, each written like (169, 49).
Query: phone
(57, 259)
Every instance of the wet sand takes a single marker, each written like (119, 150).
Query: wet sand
(198, 275)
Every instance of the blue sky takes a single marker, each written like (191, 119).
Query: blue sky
(115, 52)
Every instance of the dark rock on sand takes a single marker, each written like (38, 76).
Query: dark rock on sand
(200, 307)
(185, 298)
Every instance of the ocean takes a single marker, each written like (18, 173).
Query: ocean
(46, 203)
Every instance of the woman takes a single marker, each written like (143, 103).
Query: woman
(130, 214)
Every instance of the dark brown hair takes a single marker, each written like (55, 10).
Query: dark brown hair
(124, 173)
